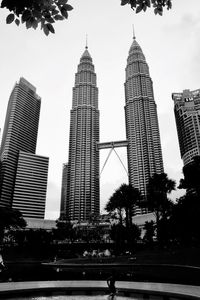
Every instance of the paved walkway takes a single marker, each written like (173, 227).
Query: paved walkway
(165, 288)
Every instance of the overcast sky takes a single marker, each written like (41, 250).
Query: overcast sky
(171, 45)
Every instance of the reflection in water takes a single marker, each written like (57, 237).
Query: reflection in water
(82, 298)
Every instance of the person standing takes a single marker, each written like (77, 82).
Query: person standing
(111, 285)
(2, 266)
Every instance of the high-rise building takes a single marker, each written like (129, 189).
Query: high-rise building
(63, 192)
(187, 115)
(142, 128)
(83, 164)
(31, 185)
(18, 143)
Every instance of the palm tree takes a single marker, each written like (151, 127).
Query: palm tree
(121, 205)
(115, 206)
(158, 188)
(122, 202)
(130, 196)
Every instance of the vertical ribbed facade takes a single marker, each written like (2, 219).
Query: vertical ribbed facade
(20, 133)
(63, 192)
(187, 115)
(83, 164)
(31, 185)
(142, 129)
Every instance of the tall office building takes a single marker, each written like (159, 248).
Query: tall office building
(18, 143)
(142, 129)
(187, 115)
(31, 185)
(83, 164)
(63, 192)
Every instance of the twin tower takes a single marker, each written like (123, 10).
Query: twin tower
(81, 174)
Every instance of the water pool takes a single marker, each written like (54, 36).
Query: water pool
(95, 290)
(66, 297)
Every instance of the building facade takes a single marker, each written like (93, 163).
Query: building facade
(31, 185)
(18, 143)
(83, 163)
(142, 128)
(187, 115)
(63, 191)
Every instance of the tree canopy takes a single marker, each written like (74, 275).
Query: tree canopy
(158, 188)
(46, 12)
(142, 5)
(35, 12)
(121, 203)
(10, 218)
(185, 219)
(191, 173)
(64, 230)
(120, 206)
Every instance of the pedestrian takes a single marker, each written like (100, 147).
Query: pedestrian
(111, 286)
(2, 267)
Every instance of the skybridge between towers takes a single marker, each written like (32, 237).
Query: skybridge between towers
(112, 145)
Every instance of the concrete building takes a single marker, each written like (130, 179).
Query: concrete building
(142, 128)
(142, 135)
(37, 224)
(31, 185)
(83, 164)
(187, 115)
(63, 192)
(17, 151)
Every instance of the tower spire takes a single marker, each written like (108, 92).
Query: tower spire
(133, 33)
(86, 44)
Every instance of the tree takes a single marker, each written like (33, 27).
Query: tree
(149, 228)
(125, 238)
(115, 207)
(121, 203)
(133, 235)
(191, 173)
(64, 230)
(130, 197)
(35, 238)
(10, 218)
(186, 213)
(185, 220)
(117, 234)
(158, 188)
(47, 12)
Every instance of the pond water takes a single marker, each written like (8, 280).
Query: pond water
(81, 297)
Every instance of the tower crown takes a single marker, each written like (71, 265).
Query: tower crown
(86, 55)
(135, 47)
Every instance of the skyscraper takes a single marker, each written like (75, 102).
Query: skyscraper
(18, 149)
(31, 185)
(83, 164)
(187, 115)
(63, 191)
(142, 129)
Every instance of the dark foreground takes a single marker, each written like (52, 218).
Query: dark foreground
(178, 266)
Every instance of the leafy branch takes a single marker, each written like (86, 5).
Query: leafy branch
(139, 5)
(35, 12)
(47, 12)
